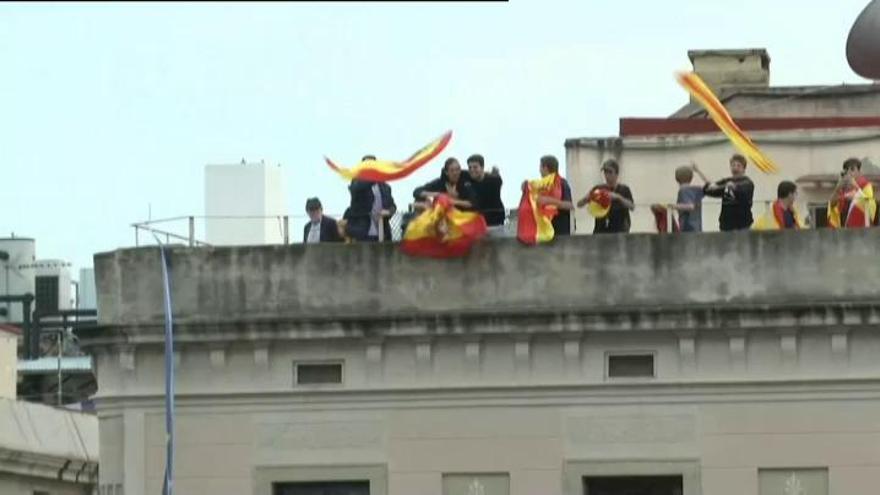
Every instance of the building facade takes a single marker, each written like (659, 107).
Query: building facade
(716, 364)
(808, 131)
(43, 450)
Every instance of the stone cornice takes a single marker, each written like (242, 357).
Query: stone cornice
(48, 467)
(693, 319)
(510, 395)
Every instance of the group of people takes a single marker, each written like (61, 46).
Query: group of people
(852, 203)
(367, 218)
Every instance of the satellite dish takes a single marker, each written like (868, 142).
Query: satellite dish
(863, 44)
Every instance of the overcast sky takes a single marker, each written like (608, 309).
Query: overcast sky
(108, 110)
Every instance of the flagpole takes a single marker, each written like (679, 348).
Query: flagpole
(168, 483)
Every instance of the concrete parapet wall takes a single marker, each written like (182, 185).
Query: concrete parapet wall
(583, 274)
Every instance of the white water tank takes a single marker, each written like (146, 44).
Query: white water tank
(16, 273)
(244, 204)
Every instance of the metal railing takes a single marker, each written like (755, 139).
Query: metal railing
(191, 229)
(187, 229)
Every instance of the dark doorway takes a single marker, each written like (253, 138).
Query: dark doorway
(323, 488)
(633, 485)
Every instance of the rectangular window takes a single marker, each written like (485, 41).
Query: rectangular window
(631, 365)
(322, 488)
(796, 481)
(639, 485)
(317, 373)
(476, 484)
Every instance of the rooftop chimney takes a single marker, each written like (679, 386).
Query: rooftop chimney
(732, 69)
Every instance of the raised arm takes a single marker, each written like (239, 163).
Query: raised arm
(700, 173)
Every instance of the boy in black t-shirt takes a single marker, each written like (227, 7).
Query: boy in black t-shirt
(617, 220)
(736, 194)
(487, 190)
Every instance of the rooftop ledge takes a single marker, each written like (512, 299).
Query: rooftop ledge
(693, 279)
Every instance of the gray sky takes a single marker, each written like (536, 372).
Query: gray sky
(106, 109)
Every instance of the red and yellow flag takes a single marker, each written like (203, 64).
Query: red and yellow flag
(861, 209)
(695, 85)
(443, 231)
(386, 170)
(535, 221)
(661, 219)
(599, 203)
(774, 219)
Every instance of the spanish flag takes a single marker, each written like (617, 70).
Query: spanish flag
(443, 231)
(774, 219)
(535, 222)
(861, 210)
(661, 219)
(599, 203)
(695, 85)
(386, 170)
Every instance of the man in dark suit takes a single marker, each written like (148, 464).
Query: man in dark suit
(319, 228)
(372, 206)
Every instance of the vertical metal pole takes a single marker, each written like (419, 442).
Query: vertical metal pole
(286, 229)
(192, 231)
(168, 483)
(136, 236)
(8, 308)
(28, 327)
(60, 347)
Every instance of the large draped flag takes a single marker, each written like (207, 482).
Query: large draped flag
(443, 231)
(386, 170)
(599, 203)
(861, 210)
(774, 218)
(661, 219)
(535, 221)
(695, 85)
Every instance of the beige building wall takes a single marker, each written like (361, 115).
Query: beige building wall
(8, 363)
(540, 411)
(495, 375)
(648, 165)
(46, 451)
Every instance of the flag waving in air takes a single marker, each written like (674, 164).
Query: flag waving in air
(856, 208)
(535, 219)
(695, 85)
(386, 170)
(443, 231)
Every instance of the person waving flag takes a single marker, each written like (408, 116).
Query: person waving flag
(443, 231)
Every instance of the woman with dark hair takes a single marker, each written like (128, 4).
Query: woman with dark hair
(452, 183)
